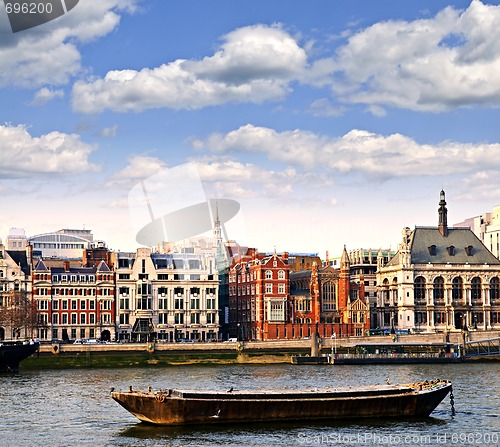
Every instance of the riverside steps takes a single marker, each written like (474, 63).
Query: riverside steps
(54, 356)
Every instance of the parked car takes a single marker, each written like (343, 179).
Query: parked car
(92, 341)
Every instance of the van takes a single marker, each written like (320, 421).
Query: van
(232, 339)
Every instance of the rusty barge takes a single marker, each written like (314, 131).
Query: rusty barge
(175, 407)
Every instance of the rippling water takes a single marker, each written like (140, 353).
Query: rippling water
(73, 407)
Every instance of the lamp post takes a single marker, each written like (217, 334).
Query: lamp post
(334, 344)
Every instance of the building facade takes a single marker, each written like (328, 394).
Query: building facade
(74, 302)
(330, 301)
(169, 297)
(16, 313)
(259, 298)
(441, 279)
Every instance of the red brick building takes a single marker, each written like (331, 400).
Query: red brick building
(74, 302)
(268, 302)
(259, 296)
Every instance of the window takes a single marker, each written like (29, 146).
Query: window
(179, 318)
(83, 304)
(74, 304)
(162, 318)
(281, 274)
(83, 319)
(276, 311)
(195, 318)
(269, 288)
(269, 274)
(210, 318)
(476, 288)
(163, 303)
(124, 303)
(281, 288)
(106, 305)
(195, 303)
(74, 318)
(419, 288)
(438, 291)
(64, 319)
(211, 303)
(179, 303)
(124, 319)
(494, 289)
(469, 250)
(55, 305)
(55, 318)
(92, 318)
(457, 288)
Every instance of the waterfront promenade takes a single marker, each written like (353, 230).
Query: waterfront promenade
(272, 351)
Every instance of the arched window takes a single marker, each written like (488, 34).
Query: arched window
(269, 274)
(476, 288)
(457, 288)
(494, 289)
(419, 288)
(438, 292)
(281, 274)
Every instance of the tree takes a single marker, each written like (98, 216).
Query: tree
(18, 312)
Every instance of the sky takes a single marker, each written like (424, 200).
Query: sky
(330, 123)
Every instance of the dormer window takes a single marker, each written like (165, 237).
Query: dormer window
(469, 250)
(451, 250)
(432, 250)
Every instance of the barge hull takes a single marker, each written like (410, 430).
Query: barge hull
(164, 409)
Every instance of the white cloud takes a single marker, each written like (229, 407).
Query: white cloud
(448, 61)
(254, 64)
(48, 54)
(107, 132)
(139, 167)
(44, 95)
(54, 153)
(358, 151)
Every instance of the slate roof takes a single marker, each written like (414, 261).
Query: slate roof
(422, 238)
(20, 258)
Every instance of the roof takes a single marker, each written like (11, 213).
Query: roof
(20, 258)
(103, 267)
(424, 238)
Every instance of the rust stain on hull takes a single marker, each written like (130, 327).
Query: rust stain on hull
(182, 408)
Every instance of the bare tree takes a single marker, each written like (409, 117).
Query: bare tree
(19, 312)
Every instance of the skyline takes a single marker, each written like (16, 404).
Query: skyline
(339, 123)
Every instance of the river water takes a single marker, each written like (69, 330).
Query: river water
(73, 407)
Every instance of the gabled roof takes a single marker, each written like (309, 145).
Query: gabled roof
(428, 245)
(20, 258)
(103, 267)
(40, 266)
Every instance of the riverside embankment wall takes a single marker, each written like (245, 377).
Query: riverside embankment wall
(163, 354)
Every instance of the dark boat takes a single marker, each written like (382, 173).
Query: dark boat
(13, 352)
(175, 407)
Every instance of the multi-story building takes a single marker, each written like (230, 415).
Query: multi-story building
(63, 244)
(168, 297)
(441, 278)
(487, 228)
(17, 318)
(363, 264)
(74, 302)
(259, 298)
(329, 300)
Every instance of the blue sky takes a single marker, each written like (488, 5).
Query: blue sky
(330, 122)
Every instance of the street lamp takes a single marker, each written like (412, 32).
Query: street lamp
(334, 344)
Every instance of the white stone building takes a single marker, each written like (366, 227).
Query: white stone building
(168, 297)
(440, 279)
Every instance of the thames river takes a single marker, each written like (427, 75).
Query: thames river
(73, 407)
